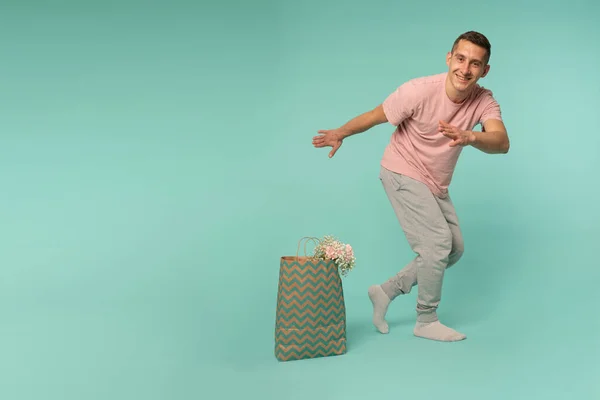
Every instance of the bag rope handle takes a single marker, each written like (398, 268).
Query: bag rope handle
(310, 238)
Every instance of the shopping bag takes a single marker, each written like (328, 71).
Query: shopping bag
(311, 311)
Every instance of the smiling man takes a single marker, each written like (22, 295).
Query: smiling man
(434, 118)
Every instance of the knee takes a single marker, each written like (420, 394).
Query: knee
(440, 249)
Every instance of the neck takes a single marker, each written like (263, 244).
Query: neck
(453, 94)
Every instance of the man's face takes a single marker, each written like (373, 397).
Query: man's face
(466, 65)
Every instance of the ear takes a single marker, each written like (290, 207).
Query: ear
(486, 70)
(448, 58)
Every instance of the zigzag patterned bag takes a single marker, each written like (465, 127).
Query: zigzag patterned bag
(311, 312)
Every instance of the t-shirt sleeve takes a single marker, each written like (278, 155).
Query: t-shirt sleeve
(491, 109)
(400, 104)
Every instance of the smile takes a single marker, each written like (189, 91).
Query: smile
(462, 79)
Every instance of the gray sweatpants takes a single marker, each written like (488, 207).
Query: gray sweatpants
(432, 230)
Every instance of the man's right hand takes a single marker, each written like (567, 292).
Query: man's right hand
(331, 137)
(363, 122)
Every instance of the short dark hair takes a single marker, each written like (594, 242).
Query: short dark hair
(478, 39)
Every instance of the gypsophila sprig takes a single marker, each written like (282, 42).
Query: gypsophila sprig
(329, 248)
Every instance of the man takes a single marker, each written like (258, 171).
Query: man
(434, 118)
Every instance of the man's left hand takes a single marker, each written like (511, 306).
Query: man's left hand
(459, 137)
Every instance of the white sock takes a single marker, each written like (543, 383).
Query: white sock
(437, 331)
(380, 302)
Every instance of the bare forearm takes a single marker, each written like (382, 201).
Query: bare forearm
(363, 122)
(491, 142)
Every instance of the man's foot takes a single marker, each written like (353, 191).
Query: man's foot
(437, 331)
(380, 302)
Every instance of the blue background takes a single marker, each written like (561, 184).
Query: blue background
(157, 162)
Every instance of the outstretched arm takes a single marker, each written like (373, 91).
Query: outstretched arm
(363, 122)
(359, 124)
(493, 139)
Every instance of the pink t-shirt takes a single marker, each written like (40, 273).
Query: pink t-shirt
(416, 148)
